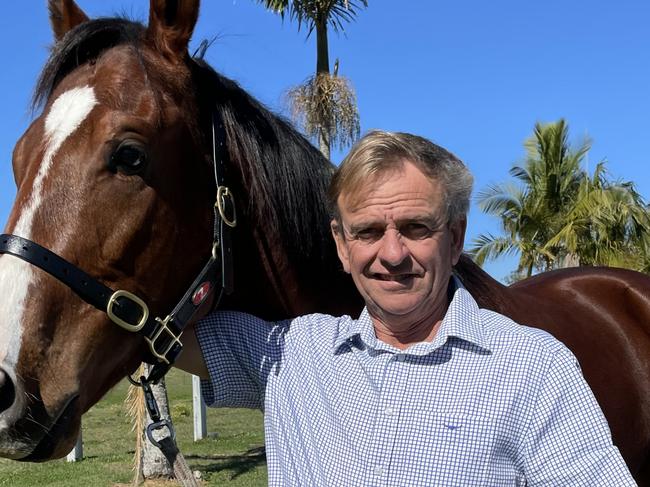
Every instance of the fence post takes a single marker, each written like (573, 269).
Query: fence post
(200, 423)
(77, 452)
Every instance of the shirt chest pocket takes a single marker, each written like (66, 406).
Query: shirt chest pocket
(457, 446)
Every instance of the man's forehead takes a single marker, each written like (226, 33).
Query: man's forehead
(358, 213)
(355, 222)
(403, 197)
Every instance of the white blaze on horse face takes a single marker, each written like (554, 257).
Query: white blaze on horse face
(67, 113)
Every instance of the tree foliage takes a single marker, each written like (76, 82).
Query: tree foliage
(324, 104)
(556, 214)
(313, 12)
(329, 103)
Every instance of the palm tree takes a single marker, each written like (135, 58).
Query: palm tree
(324, 103)
(557, 215)
(607, 225)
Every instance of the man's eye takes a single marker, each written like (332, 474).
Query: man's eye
(368, 234)
(415, 231)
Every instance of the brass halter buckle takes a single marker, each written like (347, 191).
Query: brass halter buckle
(119, 321)
(175, 339)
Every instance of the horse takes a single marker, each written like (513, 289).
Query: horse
(116, 184)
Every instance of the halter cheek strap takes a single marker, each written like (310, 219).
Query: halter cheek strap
(125, 308)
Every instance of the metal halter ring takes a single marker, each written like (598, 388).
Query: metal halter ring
(224, 193)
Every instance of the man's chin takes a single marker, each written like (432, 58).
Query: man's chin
(396, 310)
(391, 312)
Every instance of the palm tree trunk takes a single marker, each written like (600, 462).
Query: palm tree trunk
(323, 67)
(324, 143)
(570, 260)
(322, 48)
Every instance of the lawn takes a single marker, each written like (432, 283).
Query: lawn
(231, 455)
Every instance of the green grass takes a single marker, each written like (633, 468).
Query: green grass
(230, 455)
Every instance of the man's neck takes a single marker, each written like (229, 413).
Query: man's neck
(404, 338)
(403, 331)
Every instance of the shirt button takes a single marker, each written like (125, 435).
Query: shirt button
(389, 411)
(379, 471)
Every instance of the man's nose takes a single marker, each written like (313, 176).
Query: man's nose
(393, 250)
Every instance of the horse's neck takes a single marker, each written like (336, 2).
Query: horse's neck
(308, 285)
(487, 291)
(272, 284)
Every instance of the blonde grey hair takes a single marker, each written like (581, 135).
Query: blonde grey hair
(379, 152)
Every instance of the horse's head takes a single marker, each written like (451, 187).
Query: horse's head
(105, 180)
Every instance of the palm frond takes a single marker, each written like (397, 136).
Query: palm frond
(499, 199)
(334, 13)
(487, 247)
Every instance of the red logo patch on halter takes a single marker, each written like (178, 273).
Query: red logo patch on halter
(201, 293)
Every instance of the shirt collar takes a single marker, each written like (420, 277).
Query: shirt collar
(462, 321)
(361, 328)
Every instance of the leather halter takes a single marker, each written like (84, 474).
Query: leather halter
(129, 311)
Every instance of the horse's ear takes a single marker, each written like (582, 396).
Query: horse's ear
(64, 16)
(171, 23)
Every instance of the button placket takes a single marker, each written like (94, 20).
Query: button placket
(394, 384)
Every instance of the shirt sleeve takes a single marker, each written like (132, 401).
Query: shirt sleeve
(568, 441)
(239, 350)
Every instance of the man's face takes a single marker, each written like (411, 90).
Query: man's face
(398, 246)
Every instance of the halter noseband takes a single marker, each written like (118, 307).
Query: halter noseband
(129, 311)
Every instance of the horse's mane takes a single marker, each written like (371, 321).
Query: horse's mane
(488, 292)
(286, 177)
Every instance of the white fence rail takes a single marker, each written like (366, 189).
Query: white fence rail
(198, 405)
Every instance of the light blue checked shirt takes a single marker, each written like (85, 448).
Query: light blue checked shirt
(488, 402)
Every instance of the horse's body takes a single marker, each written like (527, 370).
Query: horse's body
(119, 164)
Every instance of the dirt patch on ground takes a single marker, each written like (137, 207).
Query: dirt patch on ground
(154, 483)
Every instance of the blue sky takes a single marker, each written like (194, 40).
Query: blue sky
(473, 76)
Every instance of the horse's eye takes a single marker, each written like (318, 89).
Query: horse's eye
(129, 159)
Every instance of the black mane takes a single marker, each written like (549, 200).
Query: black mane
(285, 175)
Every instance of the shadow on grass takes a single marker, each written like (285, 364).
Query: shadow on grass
(239, 464)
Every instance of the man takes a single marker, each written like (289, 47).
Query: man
(424, 388)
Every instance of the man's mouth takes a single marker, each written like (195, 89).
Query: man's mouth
(393, 277)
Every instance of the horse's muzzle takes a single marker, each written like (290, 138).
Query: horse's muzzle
(12, 408)
(27, 432)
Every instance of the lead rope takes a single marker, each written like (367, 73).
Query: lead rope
(183, 474)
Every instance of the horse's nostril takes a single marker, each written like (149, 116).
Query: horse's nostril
(7, 391)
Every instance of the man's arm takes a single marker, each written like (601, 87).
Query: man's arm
(191, 359)
(568, 441)
(233, 353)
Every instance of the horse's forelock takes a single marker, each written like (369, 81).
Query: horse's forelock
(82, 44)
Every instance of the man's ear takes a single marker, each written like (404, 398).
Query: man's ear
(341, 244)
(457, 229)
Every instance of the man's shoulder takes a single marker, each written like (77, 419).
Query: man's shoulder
(498, 332)
(319, 328)
(503, 333)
